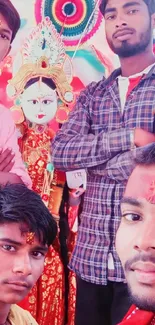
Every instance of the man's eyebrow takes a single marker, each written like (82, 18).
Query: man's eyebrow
(5, 30)
(109, 10)
(131, 3)
(131, 201)
(126, 5)
(43, 249)
(10, 241)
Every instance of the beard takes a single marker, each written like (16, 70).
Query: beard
(126, 50)
(142, 302)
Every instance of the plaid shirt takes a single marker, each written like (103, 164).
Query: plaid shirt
(97, 137)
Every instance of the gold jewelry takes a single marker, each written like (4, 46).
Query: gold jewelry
(17, 114)
(28, 71)
(62, 109)
(43, 55)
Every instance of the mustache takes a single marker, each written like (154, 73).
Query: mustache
(139, 258)
(125, 29)
(21, 280)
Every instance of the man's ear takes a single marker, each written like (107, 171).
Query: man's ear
(153, 20)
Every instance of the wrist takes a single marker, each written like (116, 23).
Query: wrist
(132, 139)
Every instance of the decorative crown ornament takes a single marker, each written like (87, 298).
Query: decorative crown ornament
(43, 55)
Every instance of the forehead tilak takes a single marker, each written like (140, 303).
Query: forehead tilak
(30, 237)
(150, 197)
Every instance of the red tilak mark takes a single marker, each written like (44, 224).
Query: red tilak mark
(44, 64)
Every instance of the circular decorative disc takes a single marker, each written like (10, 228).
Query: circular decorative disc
(70, 18)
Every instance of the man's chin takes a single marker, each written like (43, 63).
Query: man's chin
(12, 299)
(143, 299)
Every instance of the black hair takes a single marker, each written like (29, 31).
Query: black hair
(150, 4)
(18, 204)
(11, 16)
(48, 81)
(146, 156)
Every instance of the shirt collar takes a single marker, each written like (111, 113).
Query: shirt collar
(116, 73)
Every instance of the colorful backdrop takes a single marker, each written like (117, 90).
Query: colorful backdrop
(82, 29)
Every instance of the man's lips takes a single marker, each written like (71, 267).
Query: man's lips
(18, 285)
(144, 272)
(122, 33)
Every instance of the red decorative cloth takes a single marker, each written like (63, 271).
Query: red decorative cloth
(135, 316)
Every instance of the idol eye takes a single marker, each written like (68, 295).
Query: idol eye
(47, 102)
(132, 217)
(33, 101)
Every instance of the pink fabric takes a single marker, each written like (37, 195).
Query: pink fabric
(8, 139)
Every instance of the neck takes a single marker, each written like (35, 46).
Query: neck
(4, 312)
(137, 63)
(38, 127)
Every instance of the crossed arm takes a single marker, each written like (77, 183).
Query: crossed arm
(107, 153)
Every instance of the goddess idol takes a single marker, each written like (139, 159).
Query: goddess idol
(40, 87)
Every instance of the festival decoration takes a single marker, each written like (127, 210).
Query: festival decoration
(76, 20)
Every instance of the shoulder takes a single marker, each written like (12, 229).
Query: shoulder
(89, 93)
(20, 316)
(95, 87)
(5, 114)
(7, 124)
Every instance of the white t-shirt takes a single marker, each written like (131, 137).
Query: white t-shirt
(123, 84)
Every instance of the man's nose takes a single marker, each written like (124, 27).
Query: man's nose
(145, 239)
(22, 264)
(120, 21)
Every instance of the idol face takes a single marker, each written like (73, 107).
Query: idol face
(39, 103)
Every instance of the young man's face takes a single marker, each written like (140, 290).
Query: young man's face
(21, 263)
(5, 37)
(128, 26)
(135, 239)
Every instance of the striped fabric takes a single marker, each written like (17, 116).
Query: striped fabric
(97, 137)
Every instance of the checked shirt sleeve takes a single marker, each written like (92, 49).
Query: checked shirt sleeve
(118, 168)
(75, 146)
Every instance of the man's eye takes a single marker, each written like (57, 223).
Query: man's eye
(3, 36)
(111, 17)
(131, 217)
(38, 254)
(133, 11)
(8, 248)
